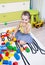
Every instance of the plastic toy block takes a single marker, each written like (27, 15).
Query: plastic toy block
(5, 58)
(0, 63)
(8, 31)
(1, 52)
(13, 29)
(11, 42)
(6, 41)
(11, 55)
(3, 43)
(7, 53)
(10, 47)
(2, 36)
(6, 62)
(5, 50)
(14, 39)
(17, 57)
(15, 63)
(9, 63)
(7, 44)
(27, 50)
(3, 47)
(15, 48)
(1, 57)
(21, 49)
(5, 35)
(25, 47)
(18, 50)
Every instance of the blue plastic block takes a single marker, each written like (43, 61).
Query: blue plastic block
(7, 44)
(17, 57)
(10, 63)
(1, 52)
(18, 50)
(5, 62)
(3, 47)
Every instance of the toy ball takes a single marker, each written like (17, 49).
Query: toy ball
(5, 23)
(15, 63)
(27, 50)
(17, 57)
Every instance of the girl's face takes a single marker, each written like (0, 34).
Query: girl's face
(25, 19)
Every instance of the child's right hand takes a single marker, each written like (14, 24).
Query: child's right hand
(11, 36)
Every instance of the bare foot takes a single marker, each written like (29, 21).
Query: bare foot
(22, 42)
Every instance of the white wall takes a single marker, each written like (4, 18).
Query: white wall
(40, 6)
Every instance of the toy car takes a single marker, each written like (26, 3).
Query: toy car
(3, 35)
(40, 24)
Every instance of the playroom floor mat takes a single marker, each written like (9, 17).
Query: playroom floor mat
(10, 57)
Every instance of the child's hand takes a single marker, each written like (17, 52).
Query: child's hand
(11, 36)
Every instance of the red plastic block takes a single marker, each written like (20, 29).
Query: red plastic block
(15, 63)
(3, 43)
(25, 47)
(7, 53)
(1, 56)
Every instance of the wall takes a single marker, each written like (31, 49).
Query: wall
(40, 6)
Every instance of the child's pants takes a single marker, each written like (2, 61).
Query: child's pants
(24, 37)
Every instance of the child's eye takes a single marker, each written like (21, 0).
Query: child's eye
(25, 19)
(22, 19)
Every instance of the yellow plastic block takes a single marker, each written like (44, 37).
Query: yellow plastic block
(6, 41)
(5, 58)
(14, 39)
(0, 63)
(11, 55)
(11, 42)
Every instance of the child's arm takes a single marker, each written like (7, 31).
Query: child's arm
(13, 34)
(17, 28)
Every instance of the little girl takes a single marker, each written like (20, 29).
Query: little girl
(22, 31)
